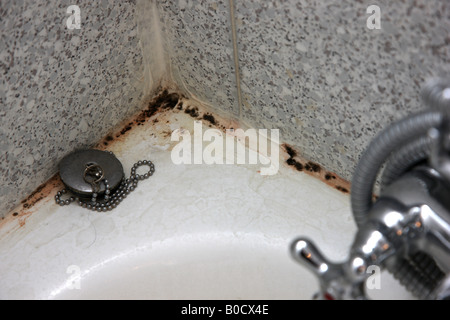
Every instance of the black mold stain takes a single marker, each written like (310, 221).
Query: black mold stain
(291, 161)
(342, 189)
(313, 167)
(107, 139)
(124, 130)
(163, 101)
(26, 201)
(297, 165)
(193, 112)
(40, 193)
(209, 117)
(170, 101)
(291, 152)
(308, 166)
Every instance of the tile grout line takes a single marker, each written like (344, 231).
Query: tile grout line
(236, 57)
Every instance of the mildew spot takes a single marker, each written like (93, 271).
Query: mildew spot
(28, 206)
(209, 117)
(342, 189)
(315, 169)
(162, 102)
(193, 112)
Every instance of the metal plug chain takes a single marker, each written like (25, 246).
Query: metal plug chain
(94, 175)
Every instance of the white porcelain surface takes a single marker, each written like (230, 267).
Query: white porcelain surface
(188, 232)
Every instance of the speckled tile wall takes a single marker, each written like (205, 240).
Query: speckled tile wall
(199, 44)
(312, 69)
(61, 88)
(316, 71)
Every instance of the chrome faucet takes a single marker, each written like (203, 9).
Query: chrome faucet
(406, 230)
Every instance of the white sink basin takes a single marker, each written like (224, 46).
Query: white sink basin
(205, 266)
(188, 232)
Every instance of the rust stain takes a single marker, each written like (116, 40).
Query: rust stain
(161, 102)
(316, 170)
(153, 113)
(28, 206)
(153, 108)
(41, 192)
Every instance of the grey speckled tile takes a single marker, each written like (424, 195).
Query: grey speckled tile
(61, 89)
(314, 70)
(198, 40)
(310, 68)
